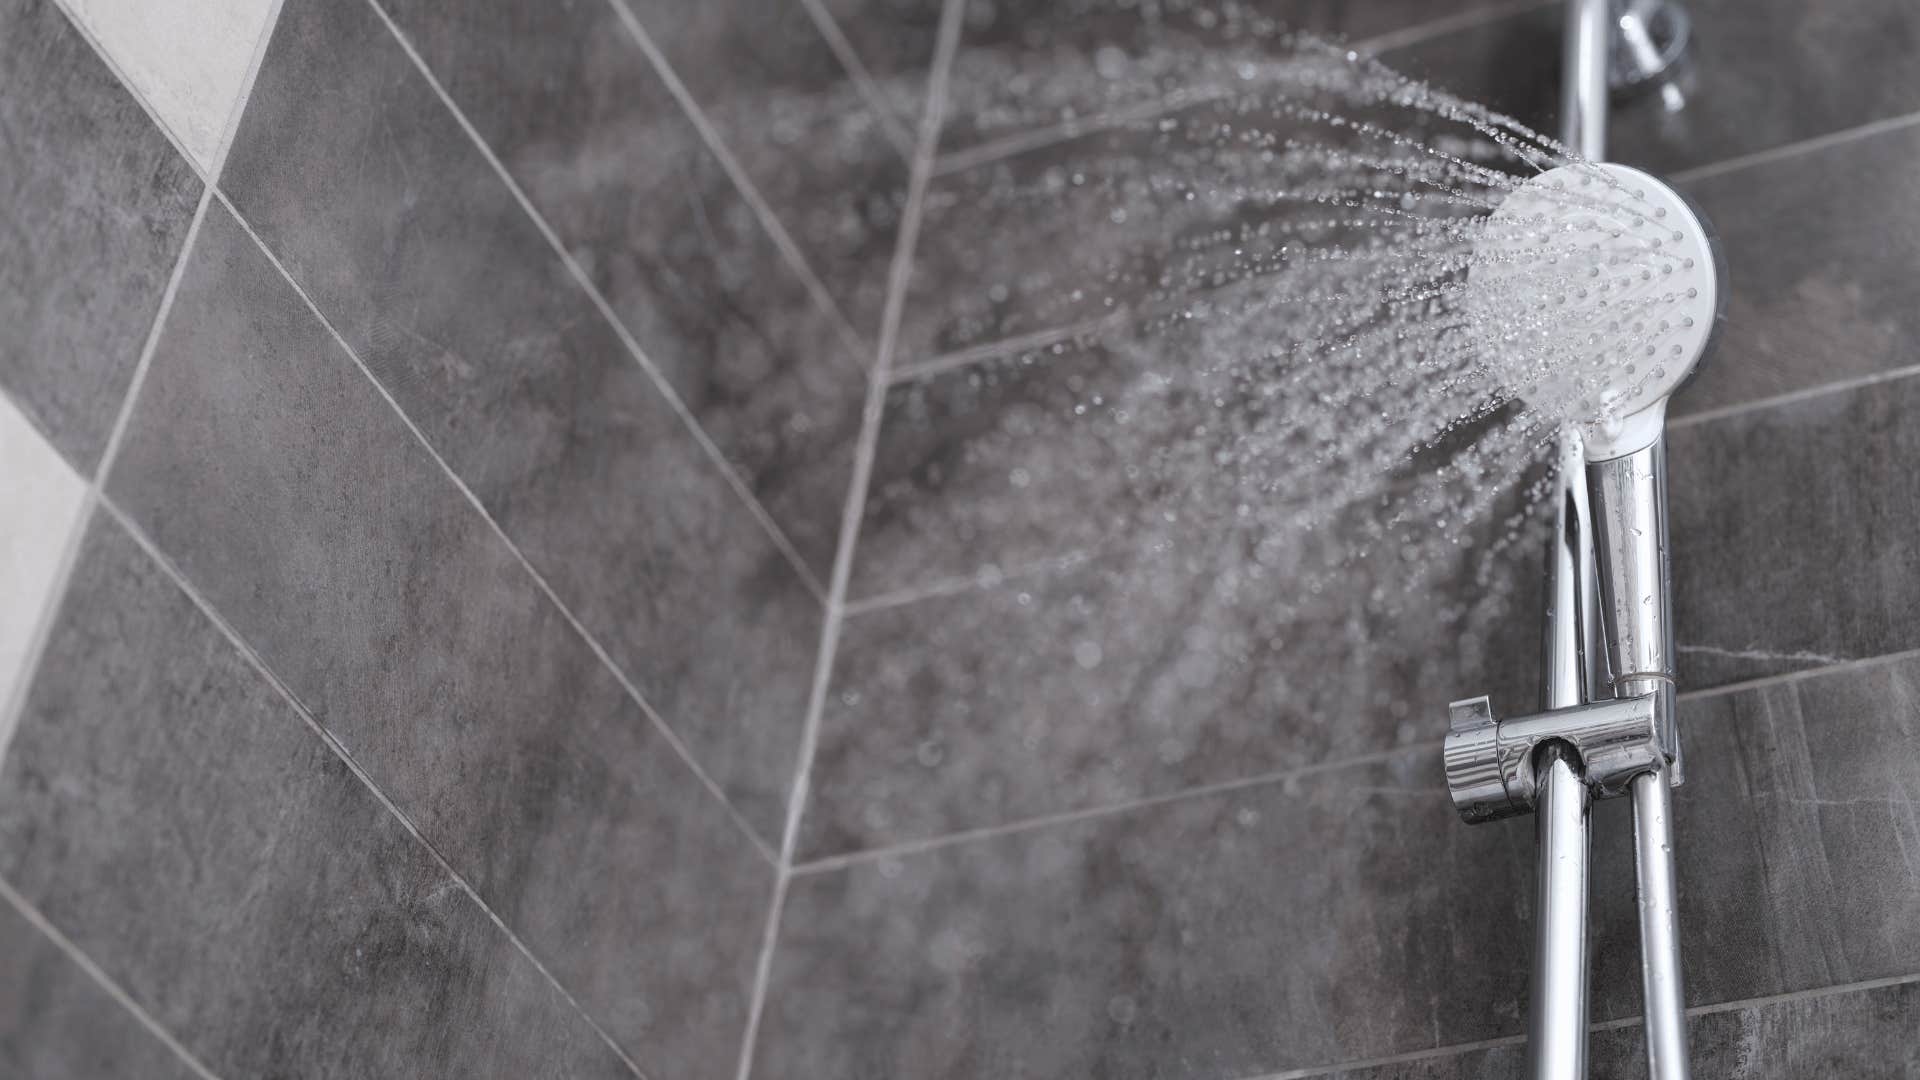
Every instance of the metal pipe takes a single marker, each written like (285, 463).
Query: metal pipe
(1630, 497)
(1663, 995)
(1557, 1010)
(1567, 653)
(1583, 85)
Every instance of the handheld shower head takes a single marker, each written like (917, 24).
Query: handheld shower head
(1597, 291)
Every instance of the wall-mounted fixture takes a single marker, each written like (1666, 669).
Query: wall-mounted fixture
(1608, 725)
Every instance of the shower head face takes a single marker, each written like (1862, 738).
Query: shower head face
(1595, 290)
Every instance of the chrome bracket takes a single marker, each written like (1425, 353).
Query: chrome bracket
(1490, 763)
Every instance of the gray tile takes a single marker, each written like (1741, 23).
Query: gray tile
(358, 178)
(1187, 644)
(1505, 1062)
(1860, 1035)
(56, 1023)
(1222, 937)
(1148, 427)
(1817, 270)
(1143, 673)
(895, 41)
(1765, 73)
(1347, 915)
(566, 98)
(1156, 216)
(1795, 830)
(807, 137)
(95, 204)
(1866, 1034)
(1792, 534)
(1029, 64)
(267, 467)
(168, 812)
(975, 708)
(1014, 247)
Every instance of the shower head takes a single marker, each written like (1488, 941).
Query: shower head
(1597, 291)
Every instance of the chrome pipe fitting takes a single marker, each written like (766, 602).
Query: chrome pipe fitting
(1586, 54)
(1492, 767)
(1636, 581)
(1557, 1000)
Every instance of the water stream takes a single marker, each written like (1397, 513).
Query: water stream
(1248, 316)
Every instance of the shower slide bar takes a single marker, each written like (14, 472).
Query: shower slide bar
(1609, 697)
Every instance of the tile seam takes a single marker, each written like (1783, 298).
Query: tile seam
(861, 76)
(853, 509)
(238, 111)
(632, 691)
(1707, 417)
(78, 957)
(1812, 144)
(679, 406)
(255, 661)
(12, 709)
(127, 85)
(1039, 823)
(1420, 33)
(775, 229)
(55, 602)
(1694, 1012)
(211, 188)
(1042, 822)
(1040, 138)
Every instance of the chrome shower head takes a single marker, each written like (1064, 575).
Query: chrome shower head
(1598, 290)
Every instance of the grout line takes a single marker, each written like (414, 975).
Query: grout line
(1839, 386)
(899, 273)
(1862, 986)
(56, 599)
(339, 750)
(862, 78)
(1375, 757)
(234, 115)
(1018, 343)
(606, 659)
(1066, 130)
(748, 191)
(52, 933)
(1446, 24)
(1067, 817)
(1021, 142)
(988, 579)
(1409, 1058)
(1801, 674)
(12, 709)
(127, 84)
(1697, 1011)
(1795, 149)
(585, 282)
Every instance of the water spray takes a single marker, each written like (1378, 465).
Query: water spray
(1628, 283)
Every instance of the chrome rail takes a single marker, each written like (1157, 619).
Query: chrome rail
(1601, 735)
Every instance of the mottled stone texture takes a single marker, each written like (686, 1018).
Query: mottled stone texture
(1086, 804)
(1288, 924)
(56, 1021)
(1765, 73)
(267, 466)
(381, 207)
(168, 810)
(95, 204)
(1865, 1034)
(431, 687)
(565, 97)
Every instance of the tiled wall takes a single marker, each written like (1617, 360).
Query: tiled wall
(508, 572)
